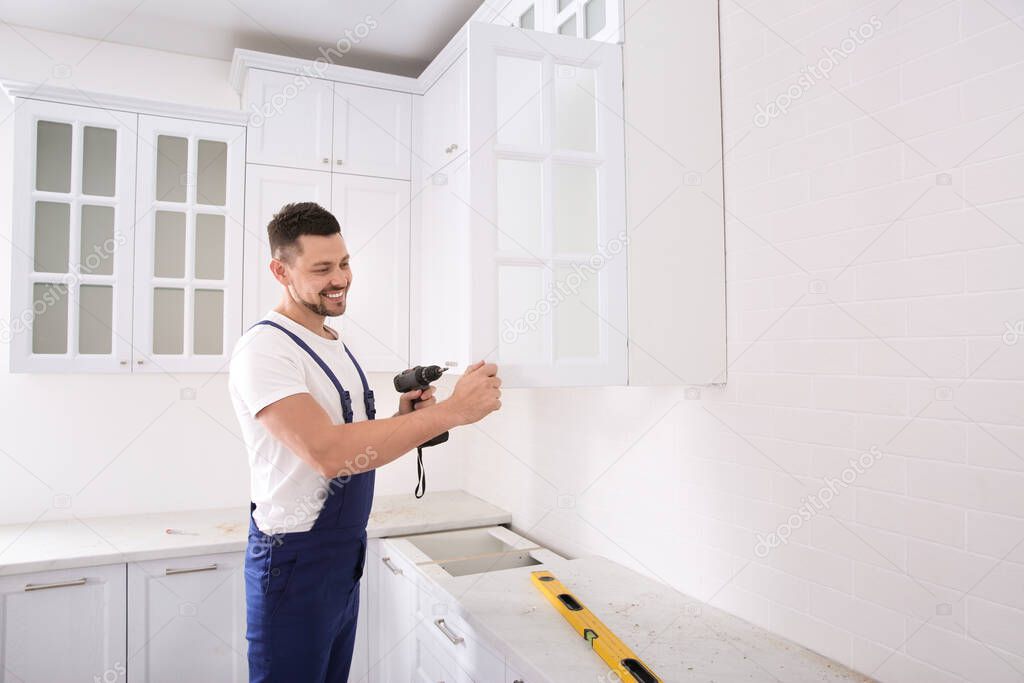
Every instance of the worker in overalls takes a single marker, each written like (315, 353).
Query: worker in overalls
(307, 416)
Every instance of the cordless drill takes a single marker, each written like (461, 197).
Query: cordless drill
(420, 378)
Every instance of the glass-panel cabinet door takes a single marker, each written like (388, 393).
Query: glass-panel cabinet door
(72, 239)
(188, 253)
(548, 206)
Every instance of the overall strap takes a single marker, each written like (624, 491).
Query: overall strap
(346, 399)
(368, 399)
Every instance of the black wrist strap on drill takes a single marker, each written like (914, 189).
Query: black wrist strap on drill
(421, 473)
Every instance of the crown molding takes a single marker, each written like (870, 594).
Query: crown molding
(52, 93)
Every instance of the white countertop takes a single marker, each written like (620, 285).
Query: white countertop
(678, 637)
(83, 542)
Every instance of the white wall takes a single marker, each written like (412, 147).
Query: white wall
(88, 445)
(867, 304)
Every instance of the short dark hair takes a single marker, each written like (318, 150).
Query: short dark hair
(294, 220)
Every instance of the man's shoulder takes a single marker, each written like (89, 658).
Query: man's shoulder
(261, 342)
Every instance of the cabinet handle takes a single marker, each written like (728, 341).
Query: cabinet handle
(387, 563)
(339, 162)
(443, 627)
(451, 148)
(190, 570)
(29, 587)
(327, 160)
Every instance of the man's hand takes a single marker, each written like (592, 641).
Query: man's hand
(405, 402)
(477, 394)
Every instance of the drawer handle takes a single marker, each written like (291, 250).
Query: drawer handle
(190, 570)
(56, 584)
(326, 160)
(443, 627)
(387, 563)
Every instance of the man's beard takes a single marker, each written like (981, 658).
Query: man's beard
(319, 308)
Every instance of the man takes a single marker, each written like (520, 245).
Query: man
(307, 417)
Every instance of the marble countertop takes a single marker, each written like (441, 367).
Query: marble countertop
(678, 637)
(83, 542)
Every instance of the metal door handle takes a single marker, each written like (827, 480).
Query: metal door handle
(387, 563)
(443, 627)
(170, 571)
(56, 584)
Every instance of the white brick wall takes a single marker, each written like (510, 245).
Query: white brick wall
(875, 249)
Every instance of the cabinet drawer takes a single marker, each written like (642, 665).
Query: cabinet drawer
(460, 643)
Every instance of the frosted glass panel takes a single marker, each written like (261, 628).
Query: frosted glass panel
(171, 168)
(596, 16)
(169, 242)
(521, 313)
(576, 324)
(99, 158)
(526, 19)
(518, 90)
(575, 109)
(208, 325)
(53, 156)
(212, 172)
(520, 192)
(97, 250)
(210, 246)
(53, 232)
(168, 320)
(576, 208)
(95, 319)
(50, 318)
(568, 27)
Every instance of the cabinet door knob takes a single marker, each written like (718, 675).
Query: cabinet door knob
(451, 148)
(124, 362)
(326, 160)
(339, 162)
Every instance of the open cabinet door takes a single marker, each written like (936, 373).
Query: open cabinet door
(547, 220)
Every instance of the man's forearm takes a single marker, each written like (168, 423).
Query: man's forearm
(348, 449)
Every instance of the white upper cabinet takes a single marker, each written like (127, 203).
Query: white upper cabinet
(374, 218)
(290, 120)
(544, 207)
(188, 250)
(444, 105)
(268, 188)
(71, 250)
(372, 131)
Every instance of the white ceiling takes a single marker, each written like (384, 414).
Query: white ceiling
(408, 33)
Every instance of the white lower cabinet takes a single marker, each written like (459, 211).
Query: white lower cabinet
(66, 625)
(186, 619)
(418, 633)
(392, 645)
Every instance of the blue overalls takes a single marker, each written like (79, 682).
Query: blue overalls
(302, 588)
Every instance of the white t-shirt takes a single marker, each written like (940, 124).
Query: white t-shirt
(266, 366)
